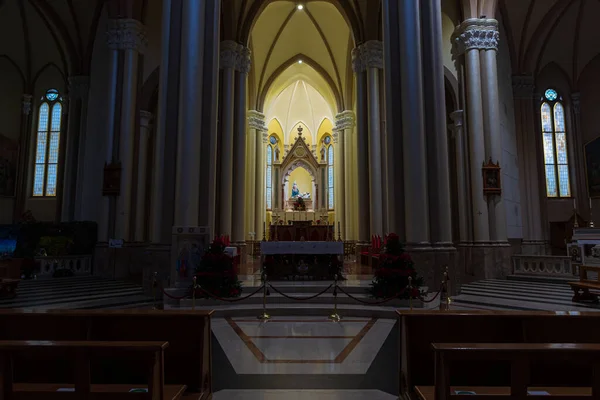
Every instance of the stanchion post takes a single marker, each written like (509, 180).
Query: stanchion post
(154, 284)
(410, 296)
(335, 317)
(444, 293)
(194, 286)
(448, 293)
(264, 316)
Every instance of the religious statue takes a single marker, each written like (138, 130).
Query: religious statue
(295, 190)
(322, 153)
(276, 153)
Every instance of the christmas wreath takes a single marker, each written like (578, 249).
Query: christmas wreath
(391, 276)
(216, 273)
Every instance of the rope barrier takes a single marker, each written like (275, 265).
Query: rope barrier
(235, 300)
(430, 300)
(372, 302)
(301, 298)
(174, 297)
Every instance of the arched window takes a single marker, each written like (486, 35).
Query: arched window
(269, 174)
(47, 144)
(555, 145)
(330, 180)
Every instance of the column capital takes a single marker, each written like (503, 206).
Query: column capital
(26, 104)
(146, 119)
(256, 120)
(243, 60)
(476, 33)
(335, 136)
(228, 54)
(78, 86)
(457, 118)
(344, 120)
(576, 102)
(367, 55)
(126, 34)
(523, 86)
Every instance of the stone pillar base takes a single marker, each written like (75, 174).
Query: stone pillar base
(486, 260)
(159, 261)
(533, 247)
(431, 263)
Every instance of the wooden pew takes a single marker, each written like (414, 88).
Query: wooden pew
(418, 329)
(81, 357)
(519, 357)
(582, 287)
(188, 361)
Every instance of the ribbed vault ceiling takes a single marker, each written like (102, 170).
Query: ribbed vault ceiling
(318, 35)
(543, 31)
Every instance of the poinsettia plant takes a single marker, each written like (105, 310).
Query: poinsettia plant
(216, 273)
(299, 204)
(395, 267)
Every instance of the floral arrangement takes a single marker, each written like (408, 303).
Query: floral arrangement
(299, 204)
(216, 273)
(391, 276)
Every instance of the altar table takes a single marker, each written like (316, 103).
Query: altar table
(302, 260)
(272, 248)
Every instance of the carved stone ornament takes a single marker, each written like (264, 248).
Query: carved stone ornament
(26, 104)
(228, 50)
(491, 178)
(265, 137)
(344, 120)
(243, 61)
(111, 185)
(372, 54)
(335, 137)
(357, 64)
(476, 33)
(523, 86)
(146, 120)
(256, 120)
(126, 34)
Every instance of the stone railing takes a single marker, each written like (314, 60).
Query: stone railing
(80, 265)
(524, 264)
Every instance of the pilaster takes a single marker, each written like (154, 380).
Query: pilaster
(25, 141)
(146, 126)
(344, 124)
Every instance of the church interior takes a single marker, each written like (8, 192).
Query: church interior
(325, 199)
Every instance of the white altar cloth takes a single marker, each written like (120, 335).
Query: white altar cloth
(302, 248)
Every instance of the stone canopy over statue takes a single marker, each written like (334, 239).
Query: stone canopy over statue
(296, 192)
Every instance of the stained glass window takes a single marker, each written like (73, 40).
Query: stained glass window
(554, 139)
(330, 197)
(273, 139)
(47, 145)
(269, 183)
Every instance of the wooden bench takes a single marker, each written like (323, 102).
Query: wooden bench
(188, 361)
(82, 357)
(582, 287)
(519, 356)
(418, 329)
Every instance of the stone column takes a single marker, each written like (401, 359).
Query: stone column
(416, 201)
(461, 177)
(488, 30)
(529, 173)
(576, 154)
(362, 142)
(344, 124)
(372, 56)
(75, 148)
(338, 173)
(435, 124)
(468, 39)
(227, 62)
(258, 133)
(146, 120)
(127, 35)
(160, 139)
(25, 141)
(239, 144)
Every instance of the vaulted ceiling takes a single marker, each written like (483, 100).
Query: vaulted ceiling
(312, 44)
(540, 32)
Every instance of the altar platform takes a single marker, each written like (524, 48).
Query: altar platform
(301, 230)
